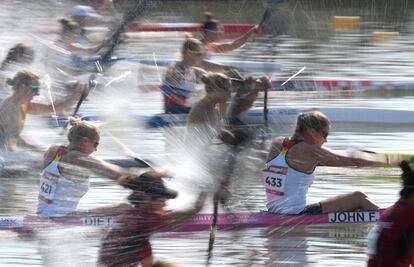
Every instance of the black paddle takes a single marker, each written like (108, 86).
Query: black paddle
(267, 12)
(233, 154)
(231, 162)
(266, 15)
(92, 83)
(140, 8)
(213, 228)
(265, 108)
(129, 152)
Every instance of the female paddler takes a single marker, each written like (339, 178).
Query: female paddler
(390, 242)
(21, 54)
(13, 110)
(181, 78)
(127, 243)
(212, 33)
(290, 169)
(19, 57)
(212, 117)
(66, 170)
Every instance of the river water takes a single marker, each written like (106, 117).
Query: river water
(302, 35)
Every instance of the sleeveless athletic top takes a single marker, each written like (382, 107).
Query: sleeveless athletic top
(58, 196)
(390, 242)
(22, 118)
(9, 141)
(128, 241)
(178, 85)
(286, 188)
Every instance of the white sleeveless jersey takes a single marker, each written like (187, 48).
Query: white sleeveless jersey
(286, 188)
(58, 196)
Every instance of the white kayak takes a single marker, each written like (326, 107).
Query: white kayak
(25, 162)
(277, 115)
(242, 64)
(229, 28)
(321, 84)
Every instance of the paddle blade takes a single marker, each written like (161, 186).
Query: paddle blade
(212, 237)
(140, 8)
(269, 4)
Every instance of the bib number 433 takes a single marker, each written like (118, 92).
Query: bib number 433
(274, 181)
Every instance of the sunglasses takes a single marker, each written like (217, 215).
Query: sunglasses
(324, 134)
(197, 53)
(35, 88)
(95, 144)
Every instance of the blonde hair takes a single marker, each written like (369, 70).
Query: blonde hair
(213, 80)
(24, 77)
(192, 44)
(311, 120)
(81, 129)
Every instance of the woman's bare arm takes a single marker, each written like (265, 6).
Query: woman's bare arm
(237, 43)
(179, 216)
(355, 158)
(47, 109)
(105, 169)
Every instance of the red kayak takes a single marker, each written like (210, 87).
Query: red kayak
(229, 29)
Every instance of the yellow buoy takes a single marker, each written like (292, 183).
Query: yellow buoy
(346, 22)
(384, 36)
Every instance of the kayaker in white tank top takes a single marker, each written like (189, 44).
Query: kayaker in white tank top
(288, 172)
(58, 195)
(65, 178)
(286, 188)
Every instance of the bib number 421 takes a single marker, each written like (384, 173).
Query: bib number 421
(46, 188)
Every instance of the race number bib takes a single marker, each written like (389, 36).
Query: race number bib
(275, 179)
(48, 184)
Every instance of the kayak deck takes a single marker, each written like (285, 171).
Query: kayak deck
(200, 222)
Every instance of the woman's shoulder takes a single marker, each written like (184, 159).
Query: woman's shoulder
(275, 147)
(176, 66)
(7, 103)
(69, 156)
(277, 142)
(50, 154)
(53, 149)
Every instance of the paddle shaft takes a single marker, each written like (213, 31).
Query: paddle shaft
(128, 151)
(212, 230)
(265, 109)
(265, 17)
(140, 8)
(267, 12)
(231, 162)
(80, 101)
(143, 162)
(92, 83)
